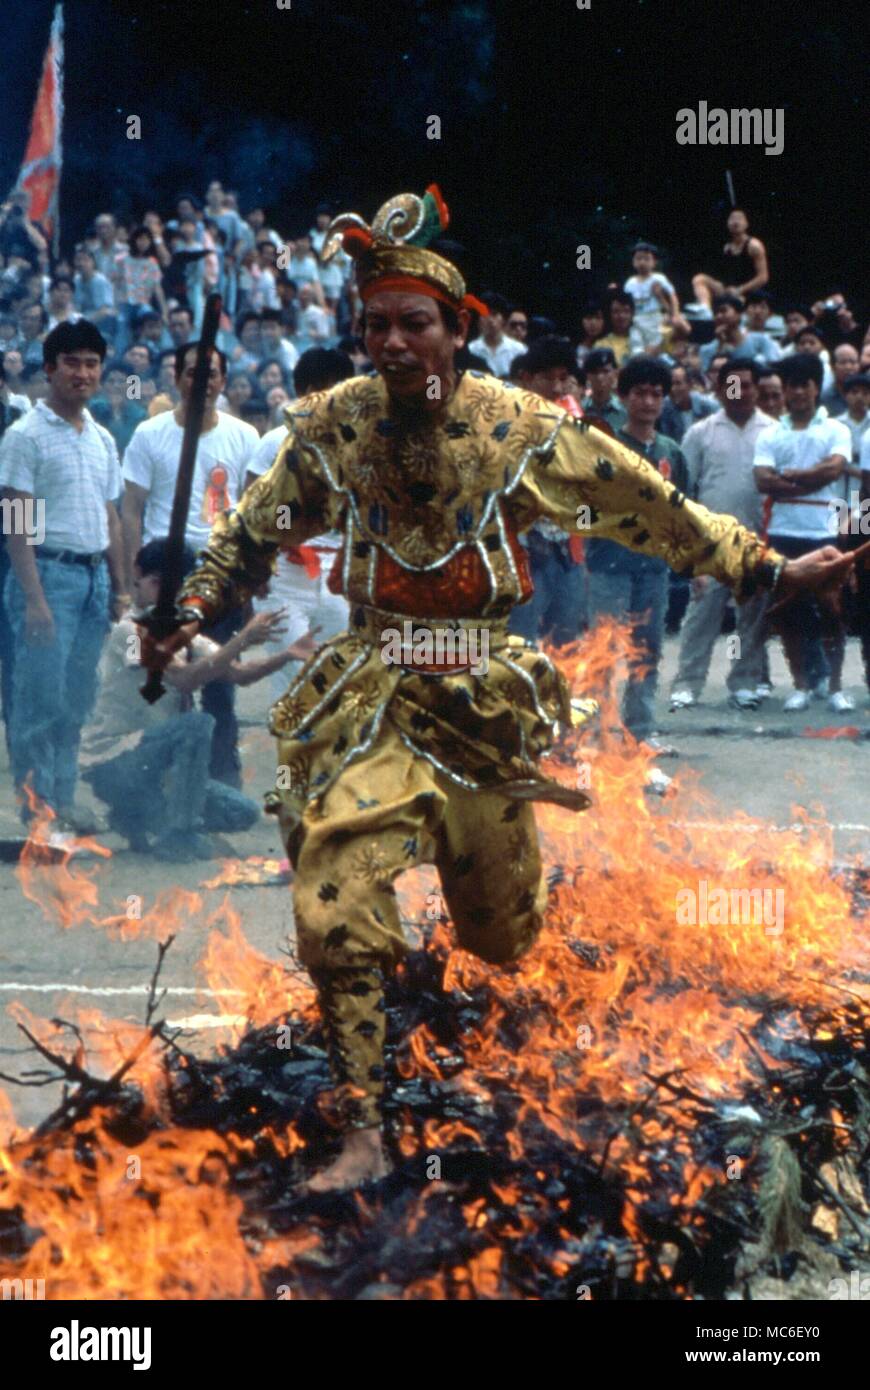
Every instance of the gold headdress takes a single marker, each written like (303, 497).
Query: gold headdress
(393, 253)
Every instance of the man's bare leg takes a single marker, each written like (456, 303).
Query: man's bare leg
(704, 287)
(362, 1159)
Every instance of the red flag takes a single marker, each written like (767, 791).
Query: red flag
(39, 176)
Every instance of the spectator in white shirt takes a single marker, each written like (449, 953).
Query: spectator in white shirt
(719, 453)
(800, 464)
(150, 469)
(493, 346)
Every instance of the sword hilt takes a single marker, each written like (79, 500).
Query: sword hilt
(160, 623)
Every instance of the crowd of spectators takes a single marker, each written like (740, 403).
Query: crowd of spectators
(751, 405)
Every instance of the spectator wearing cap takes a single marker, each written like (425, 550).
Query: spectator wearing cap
(856, 389)
(601, 404)
(844, 363)
(493, 345)
(732, 338)
(59, 596)
(557, 608)
(683, 406)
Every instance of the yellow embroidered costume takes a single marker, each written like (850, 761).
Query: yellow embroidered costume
(385, 766)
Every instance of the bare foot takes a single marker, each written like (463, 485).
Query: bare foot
(362, 1159)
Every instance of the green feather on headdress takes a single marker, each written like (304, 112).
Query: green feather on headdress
(435, 218)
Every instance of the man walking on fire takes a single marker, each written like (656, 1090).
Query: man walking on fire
(431, 475)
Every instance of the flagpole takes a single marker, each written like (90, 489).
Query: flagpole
(57, 39)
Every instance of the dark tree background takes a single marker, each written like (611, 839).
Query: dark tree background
(557, 124)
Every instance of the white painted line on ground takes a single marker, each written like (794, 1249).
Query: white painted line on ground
(753, 827)
(108, 990)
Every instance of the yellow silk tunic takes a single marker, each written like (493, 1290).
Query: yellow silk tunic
(413, 494)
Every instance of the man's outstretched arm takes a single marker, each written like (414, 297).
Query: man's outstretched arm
(594, 485)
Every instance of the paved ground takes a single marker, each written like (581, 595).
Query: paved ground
(760, 762)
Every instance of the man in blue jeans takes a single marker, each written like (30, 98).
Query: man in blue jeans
(62, 593)
(557, 609)
(622, 583)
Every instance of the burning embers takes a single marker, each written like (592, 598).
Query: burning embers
(646, 1106)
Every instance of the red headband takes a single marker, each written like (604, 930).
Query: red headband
(410, 284)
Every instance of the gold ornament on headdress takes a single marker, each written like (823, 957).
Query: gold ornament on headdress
(393, 253)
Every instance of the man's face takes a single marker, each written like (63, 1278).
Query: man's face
(726, 318)
(215, 192)
(621, 316)
(105, 228)
(845, 363)
(409, 343)
(270, 376)
(518, 326)
(738, 396)
(239, 390)
(166, 376)
(84, 263)
(13, 362)
(492, 326)
(256, 218)
(323, 221)
(680, 392)
(114, 384)
(30, 320)
(801, 399)
(180, 328)
(771, 398)
(738, 222)
(303, 246)
(271, 333)
(858, 399)
(152, 329)
(644, 262)
(75, 376)
(187, 227)
(602, 383)
(794, 322)
(146, 588)
(644, 404)
(593, 325)
(138, 359)
(268, 253)
(550, 382)
(757, 315)
(250, 335)
(809, 342)
(216, 378)
(60, 297)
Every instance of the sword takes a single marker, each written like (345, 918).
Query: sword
(165, 617)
